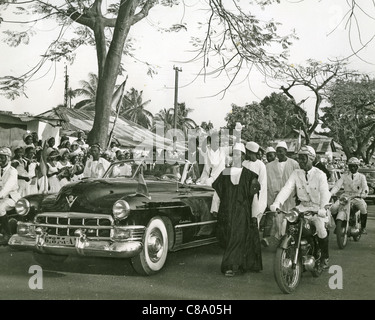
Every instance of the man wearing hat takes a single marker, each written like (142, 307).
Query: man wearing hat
(8, 191)
(355, 186)
(312, 189)
(237, 229)
(278, 172)
(257, 166)
(270, 154)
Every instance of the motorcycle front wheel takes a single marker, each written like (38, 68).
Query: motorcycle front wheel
(341, 236)
(287, 277)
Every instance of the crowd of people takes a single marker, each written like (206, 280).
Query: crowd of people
(250, 185)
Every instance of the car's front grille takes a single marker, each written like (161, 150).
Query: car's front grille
(95, 227)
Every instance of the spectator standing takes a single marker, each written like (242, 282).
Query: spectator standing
(8, 191)
(53, 171)
(257, 166)
(20, 164)
(64, 166)
(278, 172)
(270, 154)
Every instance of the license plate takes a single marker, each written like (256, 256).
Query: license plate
(62, 241)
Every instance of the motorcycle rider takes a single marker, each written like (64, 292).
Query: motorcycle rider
(355, 186)
(312, 190)
(8, 191)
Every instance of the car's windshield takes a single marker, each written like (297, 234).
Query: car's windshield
(130, 168)
(125, 169)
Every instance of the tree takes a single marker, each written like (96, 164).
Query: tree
(88, 90)
(184, 123)
(232, 39)
(207, 126)
(133, 108)
(350, 116)
(259, 125)
(165, 117)
(313, 77)
(282, 110)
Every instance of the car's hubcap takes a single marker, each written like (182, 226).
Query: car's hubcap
(155, 246)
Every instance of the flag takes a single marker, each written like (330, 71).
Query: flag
(142, 187)
(117, 97)
(43, 169)
(298, 146)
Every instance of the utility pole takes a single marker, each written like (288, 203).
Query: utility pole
(177, 70)
(66, 87)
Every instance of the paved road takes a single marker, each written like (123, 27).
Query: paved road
(192, 274)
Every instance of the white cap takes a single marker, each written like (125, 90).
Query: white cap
(252, 146)
(240, 147)
(270, 149)
(282, 144)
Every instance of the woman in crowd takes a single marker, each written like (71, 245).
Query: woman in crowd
(53, 171)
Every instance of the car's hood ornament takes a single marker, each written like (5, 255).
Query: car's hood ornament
(70, 199)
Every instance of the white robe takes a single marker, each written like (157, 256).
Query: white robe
(259, 202)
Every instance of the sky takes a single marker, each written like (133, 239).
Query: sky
(316, 23)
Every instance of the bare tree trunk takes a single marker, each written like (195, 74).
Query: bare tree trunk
(106, 85)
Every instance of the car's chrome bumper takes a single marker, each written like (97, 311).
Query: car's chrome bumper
(82, 247)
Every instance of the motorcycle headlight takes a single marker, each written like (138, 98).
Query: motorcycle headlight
(121, 209)
(22, 207)
(292, 216)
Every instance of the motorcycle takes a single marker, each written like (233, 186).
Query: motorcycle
(298, 251)
(348, 222)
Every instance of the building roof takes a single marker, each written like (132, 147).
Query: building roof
(128, 133)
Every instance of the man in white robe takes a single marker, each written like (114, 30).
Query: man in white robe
(254, 164)
(278, 173)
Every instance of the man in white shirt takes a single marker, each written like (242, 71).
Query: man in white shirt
(96, 166)
(254, 164)
(355, 185)
(312, 189)
(8, 191)
(214, 161)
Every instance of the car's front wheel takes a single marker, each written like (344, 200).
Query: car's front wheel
(155, 249)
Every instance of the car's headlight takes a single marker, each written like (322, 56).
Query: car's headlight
(25, 229)
(121, 209)
(292, 216)
(22, 207)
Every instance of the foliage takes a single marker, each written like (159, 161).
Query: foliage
(133, 108)
(314, 76)
(233, 39)
(165, 117)
(350, 116)
(207, 126)
(282, 110)
(88, 89)
(258, 124)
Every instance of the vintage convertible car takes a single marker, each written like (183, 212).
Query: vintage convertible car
(136, 211)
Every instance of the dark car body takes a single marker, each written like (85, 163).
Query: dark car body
(137, 215)
(370, 177)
